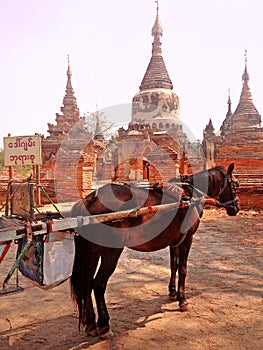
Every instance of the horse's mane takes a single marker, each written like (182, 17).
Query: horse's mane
(201, 179)
(219, 168)
(188, 178)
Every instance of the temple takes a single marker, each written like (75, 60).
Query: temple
(154, 147)
(240, 137)
(156, 104)
(71, 151)
(239, 140)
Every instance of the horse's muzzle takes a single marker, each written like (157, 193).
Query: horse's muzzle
(233, 210)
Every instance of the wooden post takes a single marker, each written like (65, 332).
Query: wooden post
(10, 167)
(11, 172)
(38, 189)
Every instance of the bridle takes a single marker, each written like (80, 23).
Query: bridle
(233, 183)
(229, 180)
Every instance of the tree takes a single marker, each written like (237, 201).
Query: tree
(25, 169)
(94, 118)
(2, 159)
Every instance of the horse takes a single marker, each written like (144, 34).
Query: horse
(98, 247)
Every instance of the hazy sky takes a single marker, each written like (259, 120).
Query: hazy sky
(109, 43)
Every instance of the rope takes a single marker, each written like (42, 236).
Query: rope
(51, 201)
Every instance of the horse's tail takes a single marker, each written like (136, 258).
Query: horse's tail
(81, 278)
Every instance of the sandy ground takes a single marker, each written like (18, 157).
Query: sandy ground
(224, 289)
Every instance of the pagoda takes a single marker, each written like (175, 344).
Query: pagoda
(241, 137)
(156, 104)
(154, 148)
(70, 152)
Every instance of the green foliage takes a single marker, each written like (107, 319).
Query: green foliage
(25, 169)
(196, 148)
(2, 159)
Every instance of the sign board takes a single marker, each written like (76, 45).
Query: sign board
(22, 201)
(22, 150)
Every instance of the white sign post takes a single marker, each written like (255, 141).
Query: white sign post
(22, 150)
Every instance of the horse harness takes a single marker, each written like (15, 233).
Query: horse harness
(229, 179)
(180, 192)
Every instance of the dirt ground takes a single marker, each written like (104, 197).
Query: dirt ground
(224, 290)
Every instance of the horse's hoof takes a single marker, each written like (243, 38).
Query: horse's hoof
(172, 297)
(91, 332)
(107, 335)
(183, 306)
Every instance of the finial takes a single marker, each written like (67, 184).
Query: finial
(245, 57)
(229, 99)
(69, 70)
(157, 6)
(245, 76)
(228, 94)
(98, 134)
(229, 112)
(97, 114)
(157, 28)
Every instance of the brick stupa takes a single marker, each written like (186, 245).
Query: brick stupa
(70, 152)
(241, 138)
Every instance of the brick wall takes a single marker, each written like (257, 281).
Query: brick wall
(250, 191)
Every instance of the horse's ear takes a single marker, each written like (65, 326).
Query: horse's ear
(230, 168)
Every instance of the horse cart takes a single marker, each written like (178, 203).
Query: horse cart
(86, 243)
(45, 240)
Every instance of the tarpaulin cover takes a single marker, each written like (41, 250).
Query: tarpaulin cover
(47, 263)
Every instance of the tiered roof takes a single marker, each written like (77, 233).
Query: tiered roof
(156, 75)
(70, 106)
(246, 105)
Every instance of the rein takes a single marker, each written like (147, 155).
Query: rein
(212, 201)
(228, 204)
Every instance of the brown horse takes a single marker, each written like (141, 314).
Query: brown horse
(149, 232)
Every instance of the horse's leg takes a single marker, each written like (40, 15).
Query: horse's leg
(89, 320)
(85, 264)
(109, 260)
(184, 249)
(174, 254)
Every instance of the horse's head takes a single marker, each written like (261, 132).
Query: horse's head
(228, 195)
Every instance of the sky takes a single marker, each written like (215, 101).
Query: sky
(110, 42)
